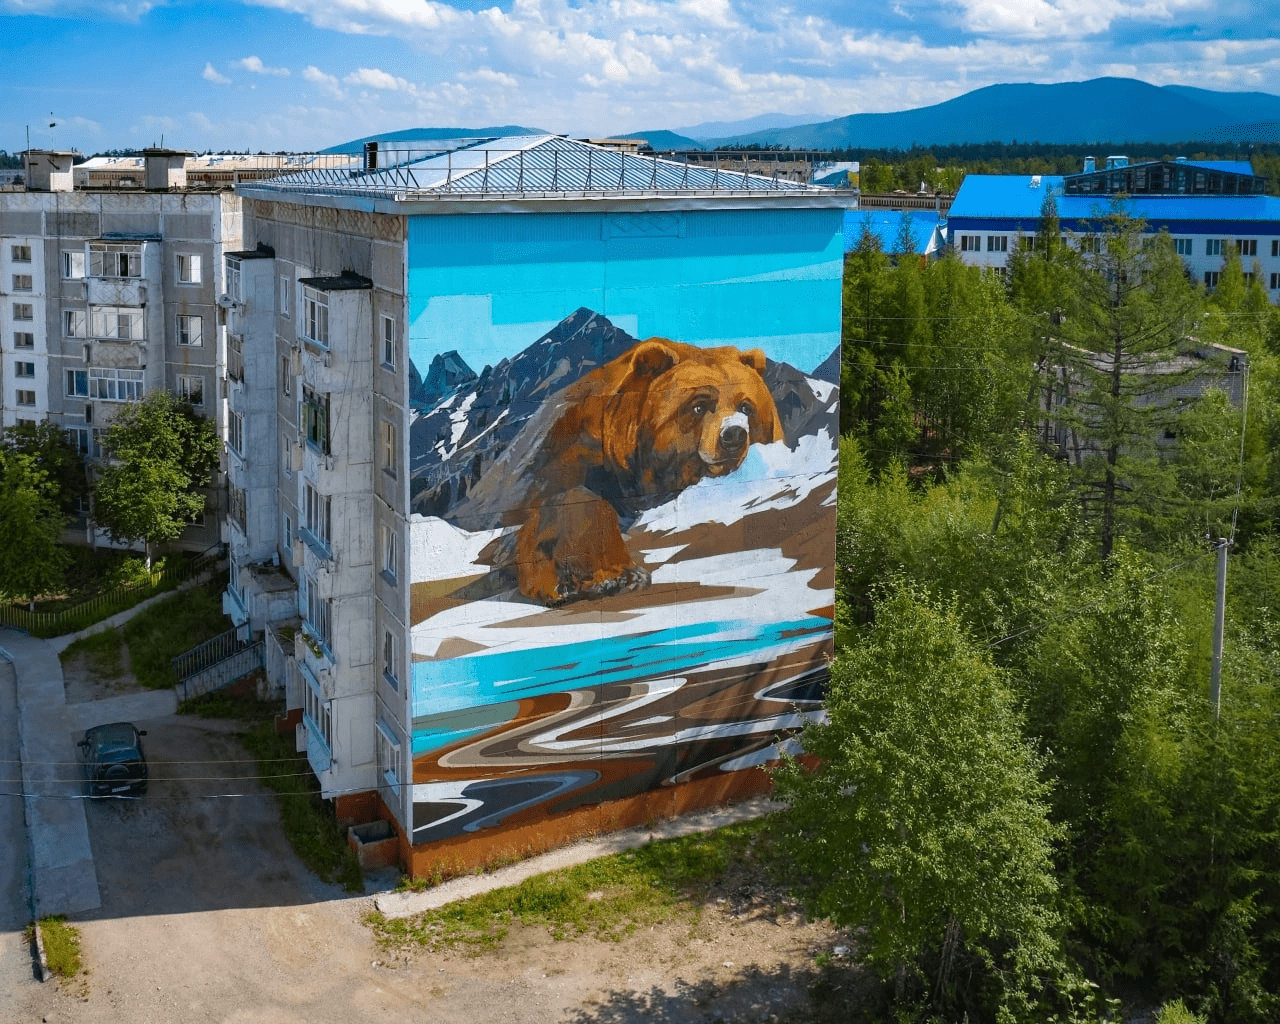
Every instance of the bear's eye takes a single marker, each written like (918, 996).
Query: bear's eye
(701, 406)
(746, 408)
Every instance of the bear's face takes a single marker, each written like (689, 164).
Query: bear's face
(701, 410)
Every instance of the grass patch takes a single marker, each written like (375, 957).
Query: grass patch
(104, 650)
(170, 627)
(220, 704)
(308, 820)
(609, 897)
(61, 946)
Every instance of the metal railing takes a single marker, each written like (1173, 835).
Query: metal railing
(244, 661)
(94, 609)
(547, 165)
(219, 648)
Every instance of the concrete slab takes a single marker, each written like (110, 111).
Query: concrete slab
(129, 707)
(61, 860)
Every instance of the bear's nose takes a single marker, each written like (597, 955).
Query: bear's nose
(733, 436)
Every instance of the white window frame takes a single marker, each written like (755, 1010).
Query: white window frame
(23, 283)
(187, 268)
(286, 290)
(389, 342)
(1184, 246)
(317, 516)
(24, 339)
(390, 756)
(117, 323)
(391, 658)
(75, 323)
(288, 532)
(390, 449)
(317, 711)
(390, 547)
(313, 319)
(191, 389)
(317, 612)
(233, 278)
(190, 331)
(24, 311)
(77, 384)
(25, 398)
(235, 431)
(115, 259)
(73, 265)
(20, 253)
(111, 384)
(24, 369)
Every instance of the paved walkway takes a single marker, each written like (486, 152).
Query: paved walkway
(61, 859)
(404, 904)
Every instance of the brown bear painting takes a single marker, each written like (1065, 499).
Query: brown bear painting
(628, 435)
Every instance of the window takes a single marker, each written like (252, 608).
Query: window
(314, 324)
(235, 432)
(22, 282)
(117, 323)
(286, 454)
(114, 259)
(188, 268)
(112, 385)
(73, 265)
(316, 710)
(237, 507)
(1090, 244)
(315, 419)
(1026, 243)
(77, 383)
(388, 552)
(233, 278)
(1183, 246)
(1275, 247)
(288, 533)
(24, 369)
(315, 512)
(970, 243)
(286, 287)
(191, 389)
(78, 437)
(1248, 277)
(389, 762)
(388, 343)
(1247, 246)
(1275, 281)
(190, 331)
(286, 375)
(390, 450)
(24, 339)
(20, 253)
(997, 243)
(1213, 246)
(389, 659)
(26, 398)
(318, 612)
(74, 323)
(23, 311)
(1211, 279)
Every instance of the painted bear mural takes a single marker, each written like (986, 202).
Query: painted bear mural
(637, 431)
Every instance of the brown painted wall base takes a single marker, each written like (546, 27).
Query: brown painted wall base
(357, 808)
(461, 854)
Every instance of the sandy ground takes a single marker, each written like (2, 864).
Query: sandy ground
(83, 682)
(208, 916)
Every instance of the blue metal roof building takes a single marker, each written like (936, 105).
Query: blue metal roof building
(990, 212)
(927, 229)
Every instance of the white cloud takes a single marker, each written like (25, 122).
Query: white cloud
(210, 74)
(118, 10)
(375, 78)
(327, 84)
(255, 65)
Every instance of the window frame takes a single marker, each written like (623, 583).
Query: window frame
(24, 312)
(388, 342)
(316, 519)
(389, 546)
(24, 339)
(185, 382)
(313, 318)
(73, 265)
(194, 269)
(19, 253)
(185, 336)
(115, 260)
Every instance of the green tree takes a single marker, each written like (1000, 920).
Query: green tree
(926, 822)
(152, 488)
(32, 560)
(62, 465)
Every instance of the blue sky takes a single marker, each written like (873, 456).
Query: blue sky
(304, 74)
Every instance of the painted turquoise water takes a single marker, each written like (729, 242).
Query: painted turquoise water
(447, 694)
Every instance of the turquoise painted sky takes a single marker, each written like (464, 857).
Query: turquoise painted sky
(305, 74)
(491, 292)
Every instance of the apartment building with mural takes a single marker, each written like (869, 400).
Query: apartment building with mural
(531, 471)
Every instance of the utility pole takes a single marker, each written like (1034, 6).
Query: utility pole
(1219, 621)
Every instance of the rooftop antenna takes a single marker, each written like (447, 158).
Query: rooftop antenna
(52, 125)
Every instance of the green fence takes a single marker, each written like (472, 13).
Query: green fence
(101, 606)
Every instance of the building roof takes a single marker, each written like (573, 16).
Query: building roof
(886, 225)
(550, 166)
(1015, 197)
(1230, 166)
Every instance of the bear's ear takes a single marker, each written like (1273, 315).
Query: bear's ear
(652, 358)
(755, 359)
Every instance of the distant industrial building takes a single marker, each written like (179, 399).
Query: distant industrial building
(1208, 207)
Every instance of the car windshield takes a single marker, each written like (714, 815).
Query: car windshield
(119, 738)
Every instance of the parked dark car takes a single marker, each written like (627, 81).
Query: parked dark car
(113, 760)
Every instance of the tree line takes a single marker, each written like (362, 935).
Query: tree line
(1025, 803)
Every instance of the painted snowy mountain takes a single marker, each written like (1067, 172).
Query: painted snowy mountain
(460, 437)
